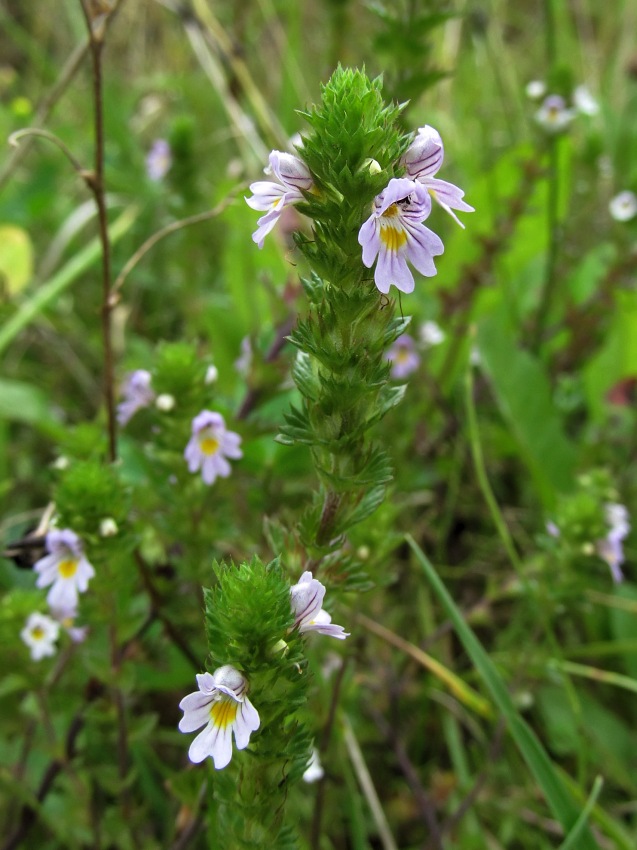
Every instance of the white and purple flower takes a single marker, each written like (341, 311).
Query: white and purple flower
(65, 568)
(40, 634)
(293, 178)
(221, 705)
(610, 549)
(422, 160)
(553, 115)
(403, 357)
(210, 446)
(623, 206)
(306, 598)
(137, 393)
(430, 333)
(395, 234)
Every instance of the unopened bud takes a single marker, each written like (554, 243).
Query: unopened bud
(108, 527)
(165, 402)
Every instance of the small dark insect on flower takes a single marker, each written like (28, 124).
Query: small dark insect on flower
(30, 548)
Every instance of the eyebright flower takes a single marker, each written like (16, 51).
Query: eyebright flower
(137, 393)
(306, 598)
(623, 207)
(394, 232)
(610, 549)
(553, 116)
(403, 356)
(584, 101)
(210, 445)
(222, 706)
(159, 160)
(422, 160)
(535, 89)
(40, 633)
(293, 178)
(65, 568)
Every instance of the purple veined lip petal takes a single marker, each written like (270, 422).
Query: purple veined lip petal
(392, 269)
(422, 247)
(195, 718)
(306, 599)
(247, 721)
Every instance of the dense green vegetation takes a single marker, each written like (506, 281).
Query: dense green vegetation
(473, 532)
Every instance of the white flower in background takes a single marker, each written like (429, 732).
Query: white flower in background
(535, 89)
(314, 771)
(137, 393)
(623, 206)
(430, 333)
(307, 598)
(554, 116)
(65, 568)
(108, 527)
(611, 549)
(212, 373)
(40, 634)
(210, 446)
(584, 101)
(221, 705)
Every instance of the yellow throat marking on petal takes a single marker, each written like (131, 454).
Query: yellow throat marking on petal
(37, 633)
(391, 211)
(68, 567)
(392, 238)
(209, 445)
(224, 712)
